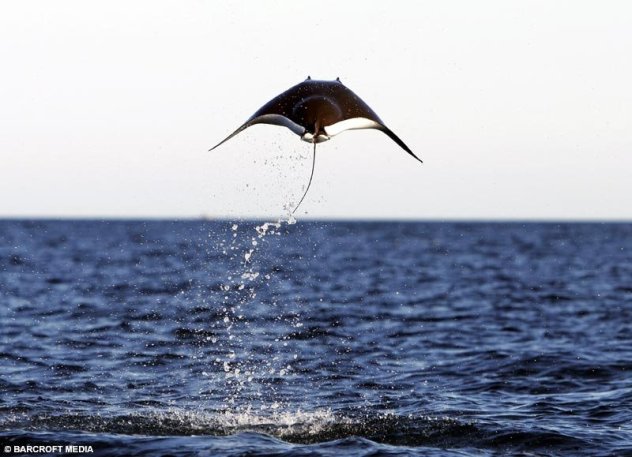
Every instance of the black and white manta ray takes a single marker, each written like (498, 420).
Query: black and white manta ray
(316, 111)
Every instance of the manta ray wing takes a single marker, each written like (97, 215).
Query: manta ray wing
(272, 119)
(275, 112)
(396, 139)
(358, 115)
(358, 123)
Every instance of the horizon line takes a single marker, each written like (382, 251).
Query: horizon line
(256, 218)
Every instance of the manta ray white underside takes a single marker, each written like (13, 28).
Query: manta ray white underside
(332, 130)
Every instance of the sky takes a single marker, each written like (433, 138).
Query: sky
(519, 110)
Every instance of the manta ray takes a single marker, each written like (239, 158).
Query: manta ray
(317, 110)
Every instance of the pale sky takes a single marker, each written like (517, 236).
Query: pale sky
(519, 110)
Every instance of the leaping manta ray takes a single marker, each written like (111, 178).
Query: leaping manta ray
(316, 111)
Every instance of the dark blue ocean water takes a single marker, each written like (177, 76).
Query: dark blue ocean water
(317, 338)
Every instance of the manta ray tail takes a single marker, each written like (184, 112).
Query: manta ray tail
(310, 180)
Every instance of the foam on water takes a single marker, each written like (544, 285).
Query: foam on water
(292, 426)
(305, 427)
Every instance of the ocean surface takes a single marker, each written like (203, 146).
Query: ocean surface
(316, 338)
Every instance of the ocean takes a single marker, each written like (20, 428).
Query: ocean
(315, 338)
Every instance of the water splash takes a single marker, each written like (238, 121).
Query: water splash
(297, 426)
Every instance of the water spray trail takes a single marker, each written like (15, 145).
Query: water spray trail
(251, 374)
